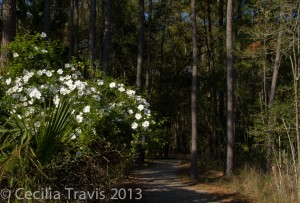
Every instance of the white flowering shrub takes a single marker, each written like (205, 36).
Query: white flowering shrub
(34, 83)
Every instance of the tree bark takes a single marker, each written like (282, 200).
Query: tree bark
(9, 25)
(148, 70)
(230, 92)
(47, 17)
(71, 30)
(139, 72)
(272, 98)
(92, 32)
(106, 35)
(194, 154)
(75, 28)
(276, 69)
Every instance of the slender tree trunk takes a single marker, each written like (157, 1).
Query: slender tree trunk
(221, 66)
(9, 25)
(230, 92)
(148, 70)
(71, 30)
(139, 72)
(271, 99)
(47, 17)
(92, 32)
(194, 155)
(276, 68)
(75, 28)
(106, 35)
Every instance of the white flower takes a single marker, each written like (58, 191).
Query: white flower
(19, 116)
(49, 74)
(130, 92)
(130, 111)
(97, 97)
(86, 109)
(56, 100)
(80, 93)
(8, 81)
(100, 82)
(145, 124)
(79, 118)
(134, 125)
(15, 55)
(43, 35)
(121, 89)
(74, 76)
(37, 124)
(67, 65)
(138, 116)
(60, 71)
(35, 93)
(78, 73)
(39, 72)
(140, 107)
(64, 91)
(80, 85)
(15, 96)
(147, 112)
(44, 51)
(112, 85)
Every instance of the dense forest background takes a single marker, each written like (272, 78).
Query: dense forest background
(148, 44)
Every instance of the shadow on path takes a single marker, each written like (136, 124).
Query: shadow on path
(161, 184)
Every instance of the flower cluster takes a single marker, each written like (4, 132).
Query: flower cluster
(92, 98)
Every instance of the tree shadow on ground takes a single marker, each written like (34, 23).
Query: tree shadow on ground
(165, 183)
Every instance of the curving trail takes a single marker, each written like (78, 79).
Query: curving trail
(161, 184)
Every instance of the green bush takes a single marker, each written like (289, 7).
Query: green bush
(54, 120)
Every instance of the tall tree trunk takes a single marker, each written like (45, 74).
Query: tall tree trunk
(139, 69)
(9, 25)
(75, 27)
(47, 17)
(92, 32)
(106, 35)
(271, 99)
(194, 155)
(148, 70)
(221, 68)
(71, 30)
(230, 92)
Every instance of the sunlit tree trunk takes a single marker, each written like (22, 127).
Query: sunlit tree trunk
(230, 92)
(194, 155)
(9, 25)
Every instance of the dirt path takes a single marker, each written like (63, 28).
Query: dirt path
(161, 184)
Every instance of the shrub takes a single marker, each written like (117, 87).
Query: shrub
(55, 120)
